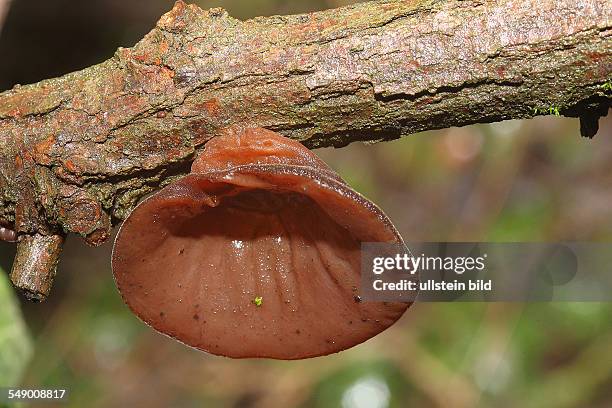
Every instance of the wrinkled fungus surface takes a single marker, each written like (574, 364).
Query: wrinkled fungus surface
(255, 254)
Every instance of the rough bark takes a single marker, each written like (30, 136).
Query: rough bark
(77, 152)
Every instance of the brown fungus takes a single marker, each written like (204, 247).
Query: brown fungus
(256, 253)
(7, 234)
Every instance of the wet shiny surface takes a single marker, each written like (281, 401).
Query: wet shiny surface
(255, 146)
(8, 235)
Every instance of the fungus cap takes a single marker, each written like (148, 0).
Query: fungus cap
(254, 254)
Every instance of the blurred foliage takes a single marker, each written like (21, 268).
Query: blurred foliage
(15, 343)
(511, 181)
(370, 384)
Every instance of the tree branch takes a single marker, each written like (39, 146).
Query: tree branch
(79, 151)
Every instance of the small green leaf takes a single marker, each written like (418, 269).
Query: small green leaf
(15, 343)
(258, 301)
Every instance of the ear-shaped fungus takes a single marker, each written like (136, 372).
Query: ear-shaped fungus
(256, 253)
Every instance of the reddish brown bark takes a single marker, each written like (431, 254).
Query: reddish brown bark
(78, 152)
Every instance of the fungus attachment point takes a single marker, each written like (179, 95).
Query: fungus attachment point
(259, 217)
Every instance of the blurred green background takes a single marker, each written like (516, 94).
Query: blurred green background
(531, 180)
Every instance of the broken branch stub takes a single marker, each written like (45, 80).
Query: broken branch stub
(35, 264)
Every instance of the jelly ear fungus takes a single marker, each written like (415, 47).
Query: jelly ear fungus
(255, 253)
